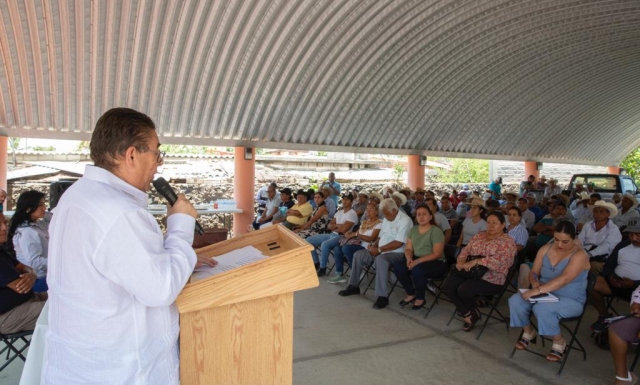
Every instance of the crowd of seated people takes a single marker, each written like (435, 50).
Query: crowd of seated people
(559, 239)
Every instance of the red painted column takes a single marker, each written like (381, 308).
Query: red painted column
(531, 168)
(415, 172)
(4, 159)
(613, 170)
(243, 189)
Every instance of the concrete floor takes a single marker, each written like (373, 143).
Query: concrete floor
(345, 341)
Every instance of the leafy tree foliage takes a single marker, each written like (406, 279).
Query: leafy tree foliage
(464, 171)
(632, 164)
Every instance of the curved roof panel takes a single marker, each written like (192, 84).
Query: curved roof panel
(544, 80)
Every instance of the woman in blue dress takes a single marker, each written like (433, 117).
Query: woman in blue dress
(560, 268)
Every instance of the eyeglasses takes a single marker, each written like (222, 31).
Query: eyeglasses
(159, 154)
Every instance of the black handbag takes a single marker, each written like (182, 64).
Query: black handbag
(476, 272)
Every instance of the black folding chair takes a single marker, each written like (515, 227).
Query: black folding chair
(10, 341)
(572, 331)
(451, 253)
(393, 284)
(494, 302)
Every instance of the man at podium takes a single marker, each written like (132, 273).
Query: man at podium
(113, 277)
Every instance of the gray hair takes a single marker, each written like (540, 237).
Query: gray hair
(389, 204)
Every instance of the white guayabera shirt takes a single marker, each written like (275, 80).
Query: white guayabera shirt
(113, 281)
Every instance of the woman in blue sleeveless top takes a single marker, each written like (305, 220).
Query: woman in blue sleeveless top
(561, 268)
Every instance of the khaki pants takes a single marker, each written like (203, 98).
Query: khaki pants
(23, 317)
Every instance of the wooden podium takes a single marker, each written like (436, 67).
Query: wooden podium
(237, 327)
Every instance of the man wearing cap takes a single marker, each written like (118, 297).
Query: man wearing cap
(382, 253)
(419, 201)
(552, 189)
(286, 202)
(620, 274)
(495, 188)
(627, 210)
(527, 185)
(334, 186)
(600, 235)
(271, 207)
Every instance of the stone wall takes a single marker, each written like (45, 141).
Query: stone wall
(513, 172)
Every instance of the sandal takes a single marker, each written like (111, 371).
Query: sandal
(631, 378)
(475, 317)
(523, 342)
(557, 351)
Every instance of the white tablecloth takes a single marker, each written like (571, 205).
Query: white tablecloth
(32, 372)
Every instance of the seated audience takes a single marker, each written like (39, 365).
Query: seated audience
(601, 235)
(298, 214)
(31, 241)
(533, 206)
(449, 212)
(552, 189)
(271, 208)
(343, 222)
(420, 196)
(620, 274)
(455, 199)
(354, 241)
(528, 216)
(441, 221)
(424, 258)
(331, 204)
(628, 210)
(546, 227)
(580, 206)
(621, 334)
(588, 216)
(19, 306)
(319, 220)
(475, 223)
(381, 254)
(560, 268)
(463, 207)
(516, 229)
(527, 185)
(401, 201)
(497, 252)
(360, 206)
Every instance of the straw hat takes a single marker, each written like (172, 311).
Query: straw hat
(420, 190)
(476, 202)
(584, 196)
(632, 198)
(405, 189)
(613, 210)
(563, 198)
(513, 194)
(401, 196)
(543, 178)
(376, 195)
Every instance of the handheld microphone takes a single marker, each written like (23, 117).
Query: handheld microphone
(164, 189)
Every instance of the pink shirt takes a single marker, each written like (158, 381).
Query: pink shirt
(499, 255)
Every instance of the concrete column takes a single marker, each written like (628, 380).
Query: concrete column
(611, 170)
(531, 168)
(4, 161)
(243, 189)
(415, 177)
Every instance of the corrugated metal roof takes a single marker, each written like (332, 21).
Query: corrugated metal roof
(527, 80)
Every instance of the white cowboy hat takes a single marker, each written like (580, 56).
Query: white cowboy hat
(401, 196)
(632, 198)
(613, 210)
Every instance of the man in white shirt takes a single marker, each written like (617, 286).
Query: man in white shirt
(382, 254)
(113, 277)
(271, 207)
(552, 189)
(627, 210)
(600, 235)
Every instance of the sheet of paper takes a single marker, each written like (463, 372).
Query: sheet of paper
(230, 261)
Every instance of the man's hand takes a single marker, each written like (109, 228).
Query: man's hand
(614, 281)
(25, 283)
(206, 261)
(182, 206)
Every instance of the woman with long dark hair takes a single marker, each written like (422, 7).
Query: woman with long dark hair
(31, 241)
(560, 268)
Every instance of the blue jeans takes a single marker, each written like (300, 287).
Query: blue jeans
(40, 285)
(348, 251)
(327, 242)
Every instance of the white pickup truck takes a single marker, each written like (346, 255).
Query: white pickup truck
(605, 184)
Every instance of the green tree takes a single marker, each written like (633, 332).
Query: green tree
(14, 143)
(464, 171)
(82, 146)
(632, 165)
